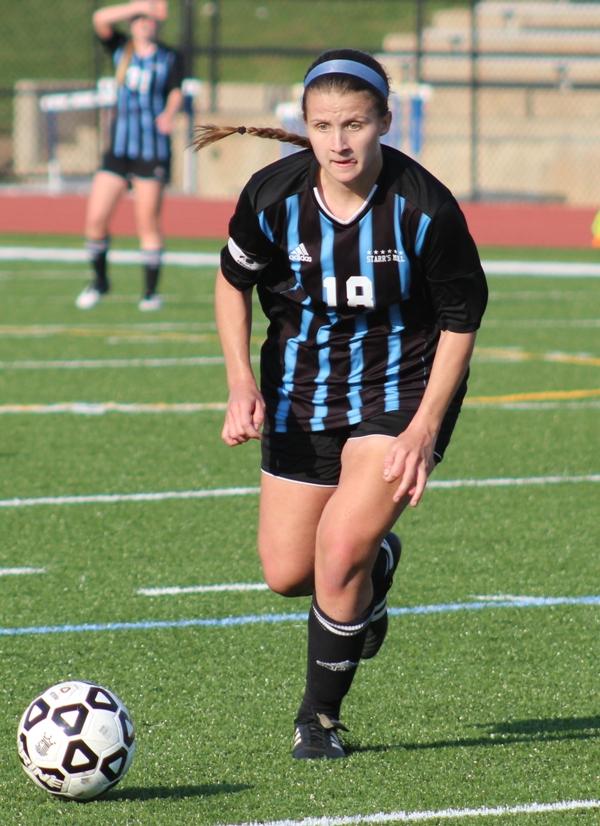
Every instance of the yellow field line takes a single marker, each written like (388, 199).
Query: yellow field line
(149, 337)
(97, 408)
(523, 355)
(544, 395)
(139, 334)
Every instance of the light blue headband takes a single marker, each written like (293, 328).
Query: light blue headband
(348, 67)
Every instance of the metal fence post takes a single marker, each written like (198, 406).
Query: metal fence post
(419, 24)
(214, 49)
(474, 84)
(187, 35)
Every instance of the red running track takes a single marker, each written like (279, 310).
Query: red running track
(510, 224)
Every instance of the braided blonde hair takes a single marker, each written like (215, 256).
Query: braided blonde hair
(210, 133)
(124, 63)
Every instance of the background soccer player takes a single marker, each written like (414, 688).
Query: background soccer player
(149, 76)
(373, 289)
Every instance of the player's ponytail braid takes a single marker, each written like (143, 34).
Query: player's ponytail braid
(124, 63)
(209, 133)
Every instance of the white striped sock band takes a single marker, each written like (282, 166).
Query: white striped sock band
(341, 629)
(151, 258)
(96, 248)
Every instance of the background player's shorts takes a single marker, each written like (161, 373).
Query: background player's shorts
(316, 457)
(136, 168)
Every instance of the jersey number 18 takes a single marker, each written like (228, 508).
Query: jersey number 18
(359, 291)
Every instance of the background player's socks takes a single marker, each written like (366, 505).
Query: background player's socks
(152, 261)
(98, 251)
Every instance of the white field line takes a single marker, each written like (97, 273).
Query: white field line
(237, 587)
(112, 498)
(439, 814)
(176, 590)
(95, 364)
(100, 408)
(542, 269)
(100, 327)
(109, 334)
(542, 322)
(21, 571)
(499, 597)
(210, 493)
(503, 482)
(561, 294)
(553, 269)
(178, 259)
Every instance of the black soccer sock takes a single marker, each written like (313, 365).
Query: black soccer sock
(97, 251)
(152, 260)
(334, 650)
(379, 573)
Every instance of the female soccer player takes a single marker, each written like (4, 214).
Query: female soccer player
(373, 289)
(149, 76)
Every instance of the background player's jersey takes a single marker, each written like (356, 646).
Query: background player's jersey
(141, 98)
(355, 308)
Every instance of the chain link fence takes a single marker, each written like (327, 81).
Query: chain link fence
(499, 98)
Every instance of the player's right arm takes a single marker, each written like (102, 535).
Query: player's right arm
(245, 405)
(106, 18)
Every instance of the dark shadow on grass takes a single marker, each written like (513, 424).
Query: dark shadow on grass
(543, 730)
(171, 792)
(548, 727)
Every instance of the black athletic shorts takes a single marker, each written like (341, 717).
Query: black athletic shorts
(315, 457)
(136, 168)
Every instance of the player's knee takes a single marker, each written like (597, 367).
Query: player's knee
(150, 237)
(285, 587)
(286, 580)
(287, 583)
(96, 226)
(342, 559)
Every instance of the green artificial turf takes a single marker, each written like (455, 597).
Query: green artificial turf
(463, 708)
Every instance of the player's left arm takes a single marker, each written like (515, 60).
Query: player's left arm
(458, 290)
(165, 121)
(410, 458)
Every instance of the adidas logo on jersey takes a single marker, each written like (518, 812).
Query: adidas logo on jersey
(300, 254)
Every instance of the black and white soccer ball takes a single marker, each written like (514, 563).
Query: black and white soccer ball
(76, 740)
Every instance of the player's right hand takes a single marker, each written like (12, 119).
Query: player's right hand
(244, 416)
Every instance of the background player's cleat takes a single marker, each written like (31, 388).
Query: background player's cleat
(150, 303)
(318, 739)
(379, 620)
(88, 298)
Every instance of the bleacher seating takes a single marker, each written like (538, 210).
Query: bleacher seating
(538, 99)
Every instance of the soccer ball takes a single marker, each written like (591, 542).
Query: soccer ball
(76, 740)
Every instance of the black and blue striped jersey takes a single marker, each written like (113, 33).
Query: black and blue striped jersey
(355, 308)
(141, 98)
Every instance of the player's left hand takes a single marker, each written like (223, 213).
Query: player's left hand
(410, 461)
(165, 123)
(159, 9)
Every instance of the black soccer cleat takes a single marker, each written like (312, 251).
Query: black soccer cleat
(318, 739)
(378, 626)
